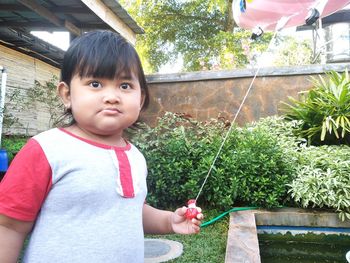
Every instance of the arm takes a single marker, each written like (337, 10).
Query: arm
(12, 235)
(156, 221)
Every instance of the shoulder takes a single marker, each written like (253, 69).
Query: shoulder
(55, 141)
(49, 135)
(134, 150)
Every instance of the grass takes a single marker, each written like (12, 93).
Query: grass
(209, 246)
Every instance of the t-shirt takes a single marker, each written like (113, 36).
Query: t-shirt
(86, 199)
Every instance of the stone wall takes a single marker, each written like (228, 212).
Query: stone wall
(22, 70)
(205, 95)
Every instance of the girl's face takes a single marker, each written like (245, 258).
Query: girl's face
(103, 108)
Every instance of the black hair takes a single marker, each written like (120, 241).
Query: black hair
(102, 54)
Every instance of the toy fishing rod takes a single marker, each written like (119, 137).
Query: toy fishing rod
(191, 210)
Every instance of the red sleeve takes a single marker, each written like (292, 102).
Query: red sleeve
(26, 183)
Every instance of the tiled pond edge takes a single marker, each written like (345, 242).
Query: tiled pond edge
(242, 242)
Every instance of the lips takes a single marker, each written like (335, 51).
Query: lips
(111, 111)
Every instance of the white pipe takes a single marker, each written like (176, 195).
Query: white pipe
(2, 98)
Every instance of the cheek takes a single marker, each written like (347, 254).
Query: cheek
(135, 109)
(83, 99)
(82, 107)
(136, 102)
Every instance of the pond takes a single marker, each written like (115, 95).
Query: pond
(303, 248)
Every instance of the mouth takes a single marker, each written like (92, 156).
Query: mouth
(111, 111)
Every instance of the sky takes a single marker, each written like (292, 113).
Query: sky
(58, 39)
(61, 40)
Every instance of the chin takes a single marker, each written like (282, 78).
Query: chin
(111, 130)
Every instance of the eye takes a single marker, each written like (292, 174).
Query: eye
(95, 84)
(125, 86)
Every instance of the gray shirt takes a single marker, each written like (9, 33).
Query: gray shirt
(84, 217)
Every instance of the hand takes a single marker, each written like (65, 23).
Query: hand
(181, 225)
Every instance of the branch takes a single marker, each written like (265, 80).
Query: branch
(230, 23)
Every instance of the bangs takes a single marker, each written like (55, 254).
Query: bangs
(108, 64)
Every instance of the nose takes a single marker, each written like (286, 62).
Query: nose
(111, 95)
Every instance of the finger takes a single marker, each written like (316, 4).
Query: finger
(200, 216)
(181, 211)
(196, 222)
(196, 229)
(199, 209)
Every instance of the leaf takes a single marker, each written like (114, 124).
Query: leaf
(324, 130)
(324, 110)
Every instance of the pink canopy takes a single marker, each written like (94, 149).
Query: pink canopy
(269, 15)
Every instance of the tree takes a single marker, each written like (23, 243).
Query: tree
(200, 32)
(294, 52)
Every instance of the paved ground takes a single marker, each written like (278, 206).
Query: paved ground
(161, 250)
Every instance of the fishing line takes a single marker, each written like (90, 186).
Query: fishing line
(234, 119)
(280, 24)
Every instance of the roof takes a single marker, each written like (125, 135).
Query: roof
(341, 16)
(19, 17)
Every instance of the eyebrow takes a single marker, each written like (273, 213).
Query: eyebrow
(127, 76)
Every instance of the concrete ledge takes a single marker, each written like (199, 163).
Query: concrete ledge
(298, 217)
(242, 242)
(245, 73)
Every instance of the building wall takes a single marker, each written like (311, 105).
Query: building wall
(206, 95)
(22, 70)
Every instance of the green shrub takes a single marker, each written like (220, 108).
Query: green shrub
(284, 130)
(324, 110)
(252, 168)
(12, 145)
(323, 179)
(179, 151)
(263, 168)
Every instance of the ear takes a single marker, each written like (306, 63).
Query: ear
(64, 93)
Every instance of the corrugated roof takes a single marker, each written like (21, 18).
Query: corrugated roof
(27, 43)
(15, 13)
(124, 15)
(17, 20)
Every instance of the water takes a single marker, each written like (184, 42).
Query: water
(303, 248)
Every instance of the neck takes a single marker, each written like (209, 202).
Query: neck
(113, 140)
